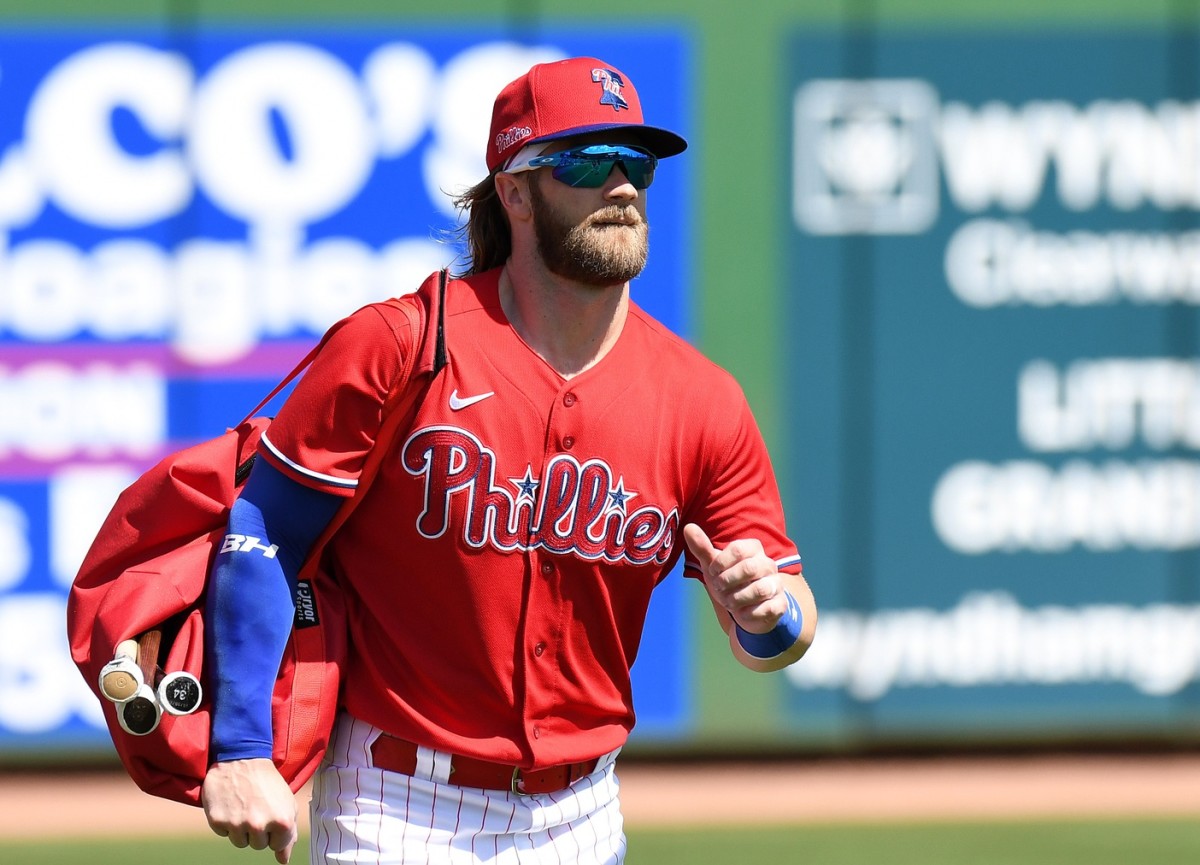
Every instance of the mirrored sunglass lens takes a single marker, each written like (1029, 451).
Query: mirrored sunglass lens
(639, 170)
(592, 171)
(580, 172)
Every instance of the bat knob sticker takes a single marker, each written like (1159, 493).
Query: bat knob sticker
(179, 693)
(139, 715)
(121, 677)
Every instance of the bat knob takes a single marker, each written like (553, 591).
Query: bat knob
(140, 714)
(120, 679)
(179, 693)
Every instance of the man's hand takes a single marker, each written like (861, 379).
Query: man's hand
(248, 802)
(746, 588)
(741, 578)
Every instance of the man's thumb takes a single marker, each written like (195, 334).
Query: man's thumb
(702, 548)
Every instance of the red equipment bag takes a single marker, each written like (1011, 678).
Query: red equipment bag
(147, 569)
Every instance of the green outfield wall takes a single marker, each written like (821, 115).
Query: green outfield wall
(951, 252)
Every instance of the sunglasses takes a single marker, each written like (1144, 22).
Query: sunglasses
(589, 167)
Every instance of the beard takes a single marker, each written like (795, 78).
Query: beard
(596, 251)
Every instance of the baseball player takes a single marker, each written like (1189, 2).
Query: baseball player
(499, 571)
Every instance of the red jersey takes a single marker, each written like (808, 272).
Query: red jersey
(498, 571)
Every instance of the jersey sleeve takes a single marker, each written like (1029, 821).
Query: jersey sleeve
(323, 432)
(740, 497)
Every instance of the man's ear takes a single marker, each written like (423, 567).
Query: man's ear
(513, 192)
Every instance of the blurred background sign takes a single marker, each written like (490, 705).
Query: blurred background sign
(995, 389)
(957, 270)
(182, 215)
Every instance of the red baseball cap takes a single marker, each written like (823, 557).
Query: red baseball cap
(570, 97)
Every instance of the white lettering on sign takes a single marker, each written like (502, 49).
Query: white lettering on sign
(80, 498)
(1124, 153)
(992, 263)
(40, 688)
(54, 411)
(866, 154)
(317, 103)
(1110, 403)
(16, 553)
(213, 301)
(69, 143)
(276, 136)
(988, 640)
(1023, 505)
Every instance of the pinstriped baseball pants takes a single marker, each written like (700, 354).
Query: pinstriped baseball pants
(362, 814)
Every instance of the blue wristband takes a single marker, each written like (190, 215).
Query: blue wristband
(777, 640)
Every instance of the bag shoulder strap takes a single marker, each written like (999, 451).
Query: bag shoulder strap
(400, 410)
(285, 381)
(398, 414)
(439, 356)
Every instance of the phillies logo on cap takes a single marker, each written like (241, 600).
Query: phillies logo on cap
(611, 83)
(509, 137)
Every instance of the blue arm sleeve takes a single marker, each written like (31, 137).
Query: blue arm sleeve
(250, 605)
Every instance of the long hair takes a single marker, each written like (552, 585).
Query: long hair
(486, 234)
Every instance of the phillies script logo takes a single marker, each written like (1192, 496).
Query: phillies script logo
(577, 508)
(511, 136)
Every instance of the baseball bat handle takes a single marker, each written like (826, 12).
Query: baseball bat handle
(148, 645)
(121, 677)
(134, 681)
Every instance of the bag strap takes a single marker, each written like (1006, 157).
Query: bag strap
(397, 417)
(439, 352)
(287, 379)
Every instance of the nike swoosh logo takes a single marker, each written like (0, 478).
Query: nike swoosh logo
(459, 403)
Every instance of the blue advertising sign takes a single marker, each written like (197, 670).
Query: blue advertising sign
(994, 246)
(181, 216)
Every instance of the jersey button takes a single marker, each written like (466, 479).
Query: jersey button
(569, 400)
(539, 649)
(569, 442)
(547, 568)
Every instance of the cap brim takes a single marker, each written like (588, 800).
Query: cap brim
(661, 142)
